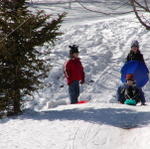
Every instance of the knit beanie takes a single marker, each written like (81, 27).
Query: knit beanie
(135, 43)
(129, 77)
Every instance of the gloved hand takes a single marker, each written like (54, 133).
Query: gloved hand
(82, 81)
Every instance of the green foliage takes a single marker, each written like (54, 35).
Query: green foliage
(22, 62)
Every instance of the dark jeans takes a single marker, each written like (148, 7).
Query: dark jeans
(74, 91)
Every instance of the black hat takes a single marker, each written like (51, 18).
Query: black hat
(73, 49)
(135, 43)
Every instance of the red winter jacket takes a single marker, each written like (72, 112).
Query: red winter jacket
(73, 70)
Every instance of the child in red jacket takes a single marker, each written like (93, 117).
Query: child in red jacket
(74, 73)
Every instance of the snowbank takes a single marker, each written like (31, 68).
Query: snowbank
(86, 126)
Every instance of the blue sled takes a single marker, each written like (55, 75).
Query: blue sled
(138, 69)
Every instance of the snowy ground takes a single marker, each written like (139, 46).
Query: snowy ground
(76, 14)
(86, 126)
(100, 124)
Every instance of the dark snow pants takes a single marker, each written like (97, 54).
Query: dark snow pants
(142, 96)
(74, 91)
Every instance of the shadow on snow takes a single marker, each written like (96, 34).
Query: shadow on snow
(122, 117)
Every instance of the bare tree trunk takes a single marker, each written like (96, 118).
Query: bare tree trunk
(17, 102)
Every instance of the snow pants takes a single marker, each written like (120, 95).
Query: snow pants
(74, 91)
(142, 96)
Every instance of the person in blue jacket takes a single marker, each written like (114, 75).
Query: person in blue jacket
(129, 91)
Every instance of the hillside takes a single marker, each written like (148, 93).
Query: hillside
(52, 123)
(103, 46)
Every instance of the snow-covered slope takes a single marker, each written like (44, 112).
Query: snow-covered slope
(103, 43)
(104, 46)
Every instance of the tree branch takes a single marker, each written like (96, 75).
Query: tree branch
(104, 12)
(141, 6)
(146, 4)
(137, 15)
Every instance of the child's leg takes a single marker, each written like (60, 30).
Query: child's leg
(142, 97)
(77, 90)
(74, 91)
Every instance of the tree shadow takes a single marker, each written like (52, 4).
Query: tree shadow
(122, 117)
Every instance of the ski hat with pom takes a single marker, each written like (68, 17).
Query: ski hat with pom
(135, 43)
(73, 49)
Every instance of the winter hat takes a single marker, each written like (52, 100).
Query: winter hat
(129, 77)
(135, 43)
(73, 49)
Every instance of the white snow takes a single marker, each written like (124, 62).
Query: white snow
(101, 123)
(83, 126)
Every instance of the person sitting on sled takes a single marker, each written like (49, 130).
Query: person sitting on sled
(135, 53)
(129, 93)
(74, 73)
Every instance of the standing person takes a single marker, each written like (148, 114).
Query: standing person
(129, 93)
(135, 53)
(74, 73)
